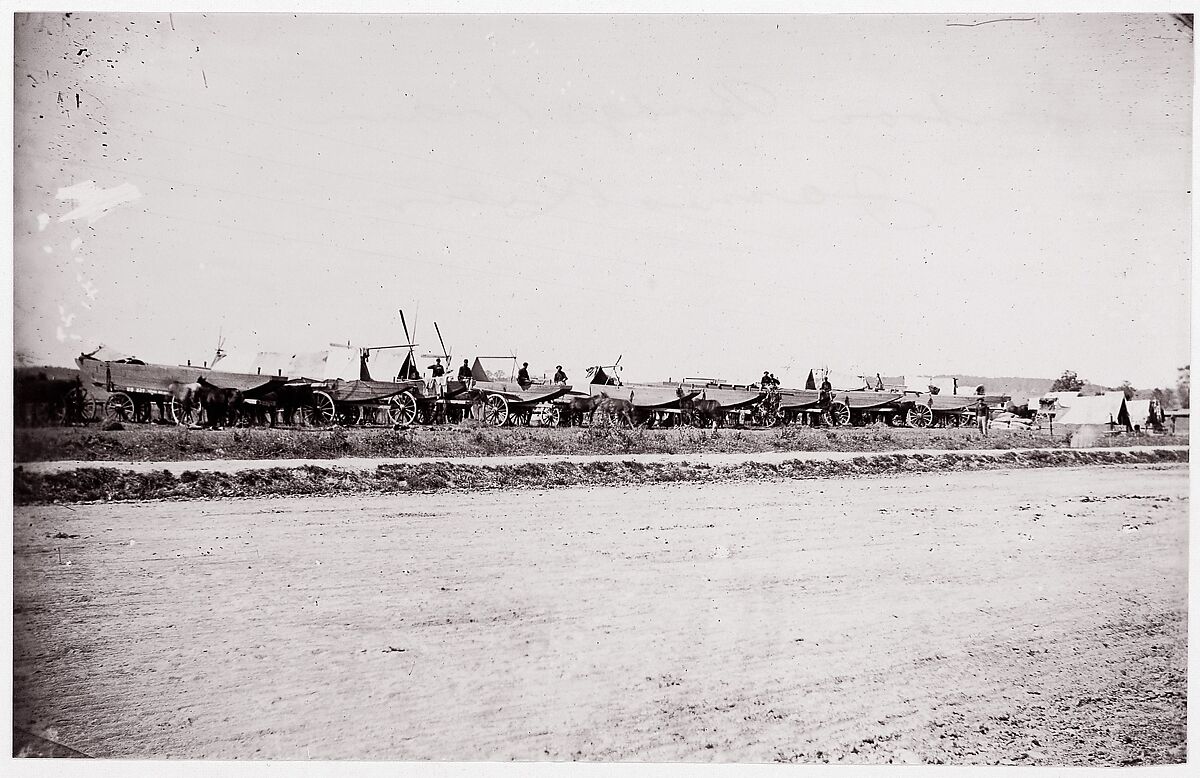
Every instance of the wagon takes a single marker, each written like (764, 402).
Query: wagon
(131, 388)
(497, 403)
(737, 401)
(654, 404)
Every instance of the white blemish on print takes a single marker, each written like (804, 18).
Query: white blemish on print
(75, 244)
(43, 221)
(92, 202)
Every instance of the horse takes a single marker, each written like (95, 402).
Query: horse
(40, 398)
(186, 397)
(616, 409)
(219, 403)
(287, 399)
(708, 411)
(578, 406)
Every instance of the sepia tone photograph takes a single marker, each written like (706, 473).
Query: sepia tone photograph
(756, 388)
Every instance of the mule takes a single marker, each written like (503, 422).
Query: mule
(219, 404)
(40, 399)
(702, 410)
(578, 406)
(186, 397)
(616, 409)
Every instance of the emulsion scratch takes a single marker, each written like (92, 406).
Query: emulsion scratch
(92, 202)
(989, 21)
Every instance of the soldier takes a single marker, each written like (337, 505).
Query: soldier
(523, 376)
(559, 376)
(464, 372)
(437, 370)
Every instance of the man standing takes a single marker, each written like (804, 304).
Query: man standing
(464, 372)
(437, 370)
(981, 414)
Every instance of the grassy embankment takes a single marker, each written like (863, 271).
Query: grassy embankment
(172, 444)
(91, 484)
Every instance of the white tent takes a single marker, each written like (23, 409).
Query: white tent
(841, 380)
(1139, 412)
(334, 362)
(237, 362)
(1106, 409)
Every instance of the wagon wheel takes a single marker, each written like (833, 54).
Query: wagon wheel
(548, 416)
(495, 411)
(93, 410)
(402, 409)
(70, 409)
(770, 418)
(920, 415)
(322, 411)
(180, 415)
(119, 407)
(839, 414)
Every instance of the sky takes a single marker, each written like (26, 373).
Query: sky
(699, 196)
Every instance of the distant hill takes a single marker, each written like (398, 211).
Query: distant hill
(52, 373)
(1018, 387)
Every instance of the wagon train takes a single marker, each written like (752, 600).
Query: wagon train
(337, 387)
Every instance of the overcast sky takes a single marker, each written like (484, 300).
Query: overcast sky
(702, 195)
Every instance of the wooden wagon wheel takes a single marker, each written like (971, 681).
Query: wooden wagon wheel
(119, 407)
(495, 411)
(839, 414)
(322, 411)
(93, 410)
(402, 409)
(547, 415)
(920, 415)
(71, 409)
(181, 415)
(771, 418)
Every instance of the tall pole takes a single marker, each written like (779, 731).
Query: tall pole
(408, 339)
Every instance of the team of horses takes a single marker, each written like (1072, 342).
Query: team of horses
(615, 410)
(223, 406)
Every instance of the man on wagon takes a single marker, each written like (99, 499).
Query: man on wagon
(437, 369)
(559, 376)
(464, 372)
(523, 376)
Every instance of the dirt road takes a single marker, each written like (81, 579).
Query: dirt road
(1034, 616)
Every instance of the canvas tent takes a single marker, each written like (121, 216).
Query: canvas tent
(1139, 413)
(336, 362)
(1108, 410)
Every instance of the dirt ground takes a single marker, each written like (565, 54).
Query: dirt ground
(1027, 617)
